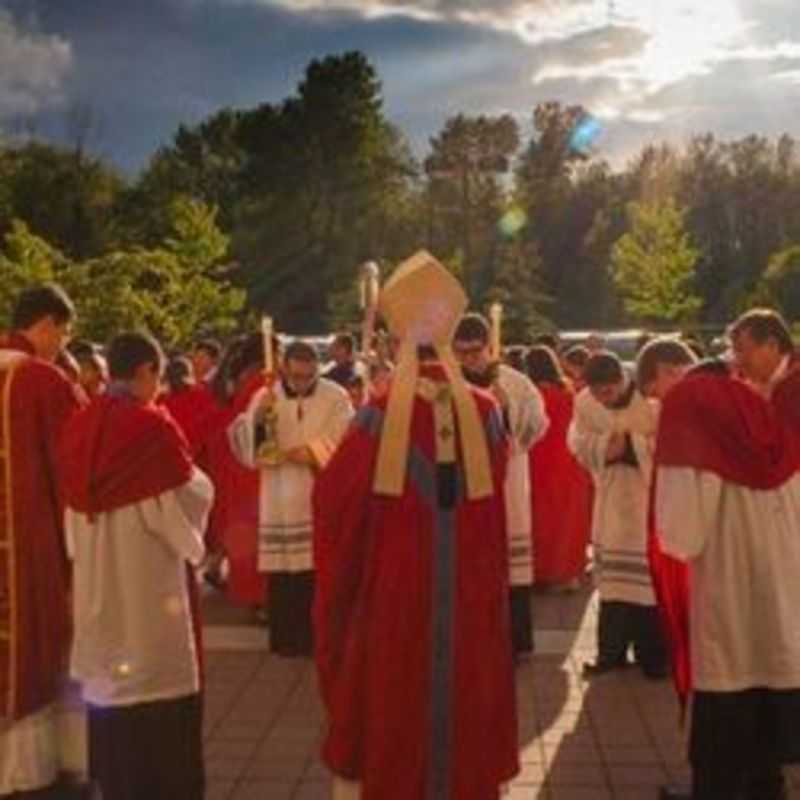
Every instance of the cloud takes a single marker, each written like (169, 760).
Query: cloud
(647, 69)
(533, 20)
(33, 68)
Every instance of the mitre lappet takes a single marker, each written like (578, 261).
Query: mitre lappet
(422, 303)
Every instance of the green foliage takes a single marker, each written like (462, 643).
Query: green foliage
(27, 260)
(653, 265)
(64, 196)
(780, 285)
(286, 199)
(194, 238)
(517, 285)
(464, 193)
(173, 291)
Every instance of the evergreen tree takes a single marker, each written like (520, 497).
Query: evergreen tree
(653, 265)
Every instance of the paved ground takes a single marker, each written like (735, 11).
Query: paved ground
(615, 737)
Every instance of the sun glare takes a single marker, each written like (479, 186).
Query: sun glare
(685, 37)
(681, 38)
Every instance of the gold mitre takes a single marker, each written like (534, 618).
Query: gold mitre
(422, 303)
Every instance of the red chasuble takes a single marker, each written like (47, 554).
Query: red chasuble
(412, 638)
(234, 518)
(194, 409)
(36, 401)
(719, 424)
(560, 496)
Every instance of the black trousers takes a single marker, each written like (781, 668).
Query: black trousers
(740, 741)
(520, 599)
(621, 625)
(290, 596)
(148, 751)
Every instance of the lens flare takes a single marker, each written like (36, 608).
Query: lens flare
(585, 134)
(512, 222)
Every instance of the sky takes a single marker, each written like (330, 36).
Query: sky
(648, 70)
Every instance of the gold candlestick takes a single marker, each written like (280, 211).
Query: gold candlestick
(267, 333)
(268, 452)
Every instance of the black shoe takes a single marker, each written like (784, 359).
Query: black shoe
(215, 580)
(673, 792)
(593, 669)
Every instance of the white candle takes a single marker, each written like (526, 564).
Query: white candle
(496, 318)
(368, 285)
(266, 332)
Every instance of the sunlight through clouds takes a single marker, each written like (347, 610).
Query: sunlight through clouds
(681, 38)
(33, 68)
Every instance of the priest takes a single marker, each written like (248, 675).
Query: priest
(612, 435)
(525, 418)
(36, 401)
(311, 415)
(411, 614)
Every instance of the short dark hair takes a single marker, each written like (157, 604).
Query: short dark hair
(243, 353)
(546, 340)
(344, 340)
(515, 357)
(298, 350)
(603, 368)
(542, 366)
(672, 352)
(128, 351)
(210, 346)
(763, 324)
(178, 374)
(81, 348)
(68, 364)
(643, 340)
(472, 327)
(38, 302)
(577, 355)
(696, 346)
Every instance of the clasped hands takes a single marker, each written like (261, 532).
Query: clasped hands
(616, 446)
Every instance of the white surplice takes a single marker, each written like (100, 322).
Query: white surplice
(527, 422)
(619, 517)
(318, 422)
(134, 641)
(743, 546)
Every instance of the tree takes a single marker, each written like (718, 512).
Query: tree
(204, 163)
(545, 189)
(594, 217)
(653, 265)
(68, 198)
(327, 176)
(464, 195)
(25, 261)
(780, 285)
(173, 290)
(517, 284)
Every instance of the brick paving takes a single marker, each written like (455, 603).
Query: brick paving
(614, 737)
